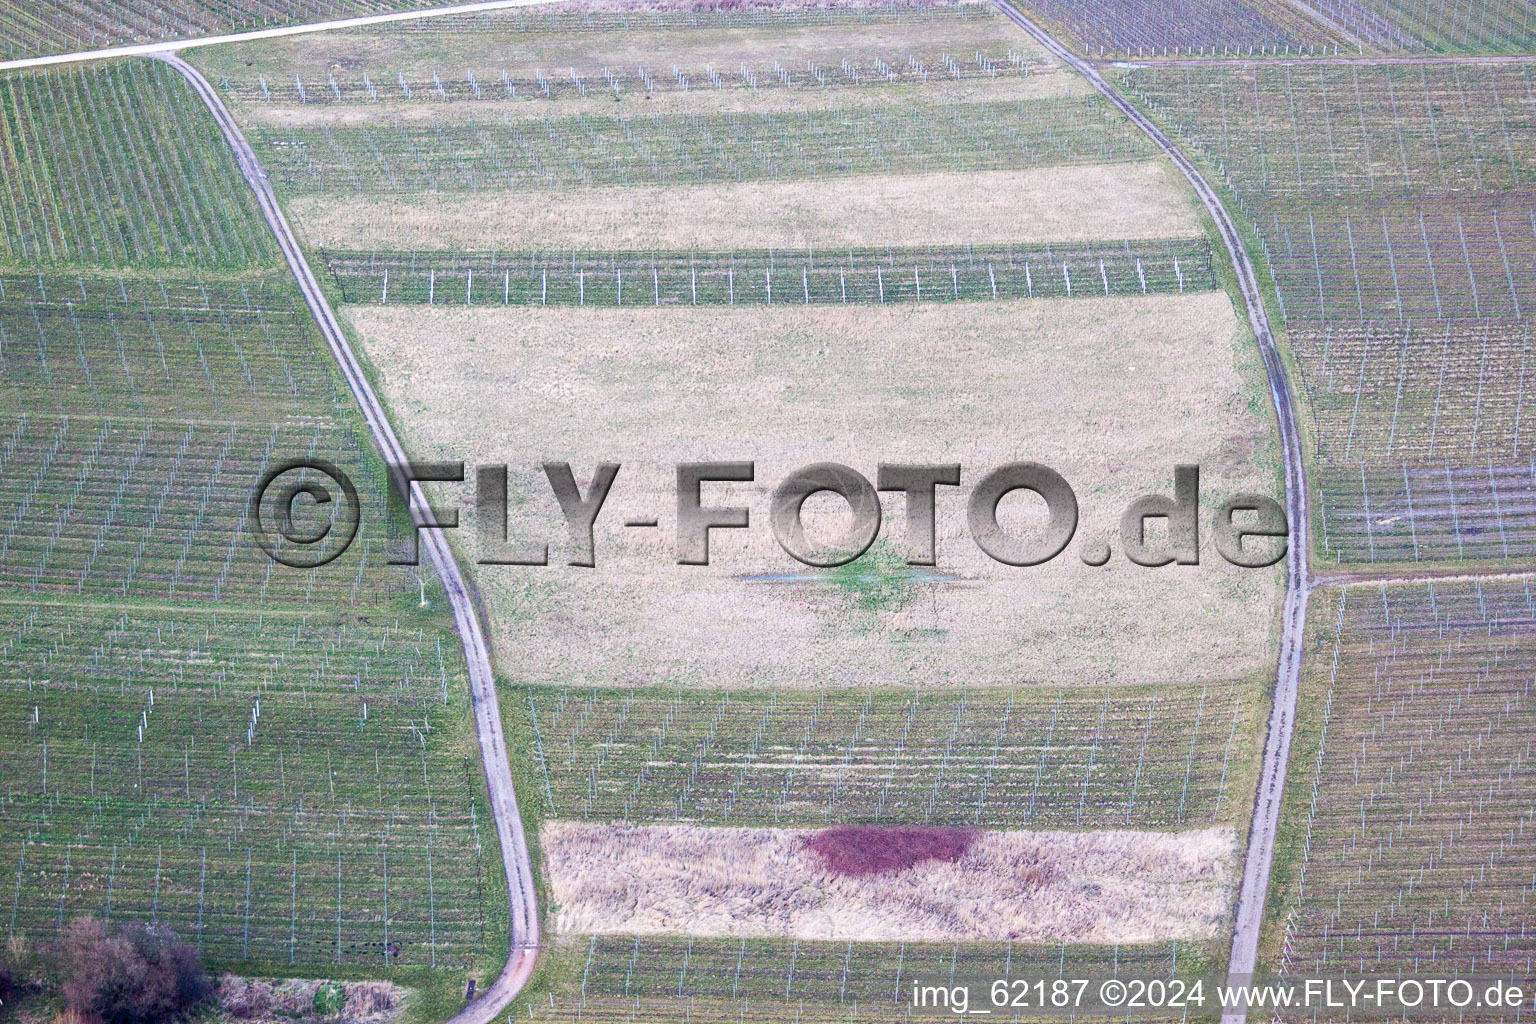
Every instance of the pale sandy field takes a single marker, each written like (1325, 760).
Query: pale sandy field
(1048, 204)
(1081, 887)
(1112, 393)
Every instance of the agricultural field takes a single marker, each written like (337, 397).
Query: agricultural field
(654, 978)
(352, 164)
(1161, 379)
(982, 758)
(1419, 431)
(136, 418)
(407, 156)
(1409, 797)
(569, 58)
(379, 135)
(645, 237)
(957, 214)
(1179, 28)
(649, 234)
(813, 759)
(1143, 29)
(1438, 26)
(77, 140)
(1392, 206)
(261, 812)
(277, 763)
(1379, 193)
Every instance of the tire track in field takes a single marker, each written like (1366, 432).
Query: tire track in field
(1277, 744)
(524, 935)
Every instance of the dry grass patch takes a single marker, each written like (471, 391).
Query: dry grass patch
(1110, 392)
(1129, 200)
(1079, 887)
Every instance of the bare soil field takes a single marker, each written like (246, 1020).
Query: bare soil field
(1055, 204)
(1112, 393)
(1077, 887)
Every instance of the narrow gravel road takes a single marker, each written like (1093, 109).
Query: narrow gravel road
(493, 749)
(1277, 745)
(159, 49)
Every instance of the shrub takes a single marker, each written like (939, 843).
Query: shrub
(859, 851)
(244, 999)
(329, 999)
(19, 973)
(879, 580)
(130, 975)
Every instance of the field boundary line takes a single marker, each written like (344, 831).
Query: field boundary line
(172, 45)
(523, 938)
(1364, 579)
(190, 608)
(1277, 744)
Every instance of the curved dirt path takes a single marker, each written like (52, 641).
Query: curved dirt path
(493, 749)
(1277, 745)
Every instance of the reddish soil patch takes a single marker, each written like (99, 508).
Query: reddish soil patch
(860, 851)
